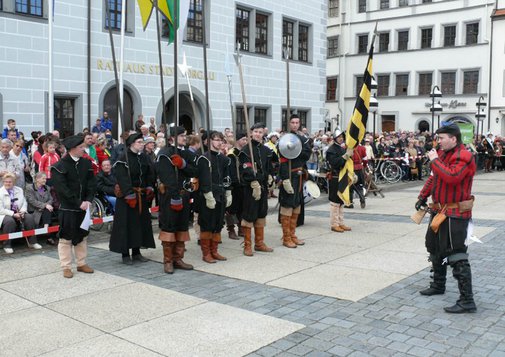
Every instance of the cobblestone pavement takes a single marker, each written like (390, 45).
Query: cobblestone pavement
(395, 321)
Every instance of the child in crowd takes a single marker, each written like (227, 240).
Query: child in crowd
(11, 124)
(49, 158)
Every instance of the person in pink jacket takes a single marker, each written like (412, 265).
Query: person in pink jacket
(48, 159)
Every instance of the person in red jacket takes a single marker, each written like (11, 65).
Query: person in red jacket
(450, 187)
(49, 158)
(357, 159)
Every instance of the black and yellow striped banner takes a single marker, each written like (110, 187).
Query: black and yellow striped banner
(356, 130)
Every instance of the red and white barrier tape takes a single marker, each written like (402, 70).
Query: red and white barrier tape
(53, 229)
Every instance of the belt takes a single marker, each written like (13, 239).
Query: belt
(138, 192)
(439, 206)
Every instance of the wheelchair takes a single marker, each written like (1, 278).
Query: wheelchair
(100, 208)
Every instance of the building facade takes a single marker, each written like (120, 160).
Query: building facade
(497, 86)
(420, 44)
(84, 85)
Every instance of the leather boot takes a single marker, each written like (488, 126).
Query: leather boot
(334, 222)
(247, 241)
(286, 232)
(240, 232)
(178, 255)
(463, 274)
(231, 232)
(205, 241)
(340, 212)
(214, 243)
(292, 228)
(168, 265)
(259, 240)
(437, 286)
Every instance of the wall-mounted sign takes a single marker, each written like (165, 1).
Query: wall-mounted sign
(453, 104)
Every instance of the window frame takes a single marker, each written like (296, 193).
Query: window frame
(453, 37)
(402, 93)
(303, 42)
(29, 7)
(401, 40)
(381, 86)
(195, 16)
(424, 41)
(288, 38)
(362, 5)
(362, 47)
(331, 88)
(381, 35)
(423, 87)
(472, 38)
(466, 85)
(333, 8)
(332, 51)
(444, 87)
(384, 4)
(242, 28)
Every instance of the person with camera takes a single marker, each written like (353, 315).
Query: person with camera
(449, 186)
(132, 227)
(13, 212)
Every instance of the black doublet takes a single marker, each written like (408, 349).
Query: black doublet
(336, 161)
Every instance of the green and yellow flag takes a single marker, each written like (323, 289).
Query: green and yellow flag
(356, 129)
(146, 9)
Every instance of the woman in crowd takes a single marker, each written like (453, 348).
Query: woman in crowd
(24, 162)
(13, 212)
(40, 203)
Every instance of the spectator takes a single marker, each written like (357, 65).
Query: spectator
(160, 143)
(106, 122)
(105, 183)
(49, 158)
(118, 149)
(12, 135)
(144, 129)
(152, 125)
(40, 204)
(24, 162)
(13, 213)
(89, 147)
(98, 127)
(11, 125)
(139, 123)
(102, 153)
(8, 162)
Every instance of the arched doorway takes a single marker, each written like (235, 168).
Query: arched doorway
(110, 106)
(423, 126)
(187, 117)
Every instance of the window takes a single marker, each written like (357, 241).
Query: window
(332, 47)
(303, 43)
(261, 43)
(115, 9)
(472, 33)
(448, 83)
(426, 37)
(384, 42)
(383, 85)
(194, 29)
(333, 8)
(470, 82)
(449, 35)
(403, 3)
(260, 115)
(64, 119)
(303, 114)
(362, 43)
(402, 84)
(242, 28)
(384, 4)
(331, 89)
(240, 119)
(426, 1)
(425, 81)
(287, 37)
(28, 7)
(361, 5)
(359, 83)
(403, 40)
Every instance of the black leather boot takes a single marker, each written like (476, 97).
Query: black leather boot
(463, 274)
(437, 286)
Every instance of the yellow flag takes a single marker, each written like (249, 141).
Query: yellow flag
(146, 9)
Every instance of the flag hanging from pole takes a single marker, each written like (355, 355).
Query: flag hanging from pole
(356, 128)
(181, 18)
(146, 9)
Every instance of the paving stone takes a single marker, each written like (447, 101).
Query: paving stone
(340, 351)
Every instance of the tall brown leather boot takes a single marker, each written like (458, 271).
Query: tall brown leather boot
(168, 265)
(259, 240)
(178, 255)
(286, 232)
(205, 241)
(231, 232)
(216, 238)
(247, 241)
(292, 228)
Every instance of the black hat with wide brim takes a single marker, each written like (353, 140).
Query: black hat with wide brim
(73, 141)
(133, 137)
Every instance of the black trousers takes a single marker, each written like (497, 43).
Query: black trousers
(11, 225)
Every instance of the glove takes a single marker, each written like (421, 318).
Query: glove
(178, 161)
(420, 204)
(210, 201)
(348, 154)
(288, 187)
(131, 200)
(149, 193)
(270, 180)
(176, 204)
(256, 187)
(229, 198)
